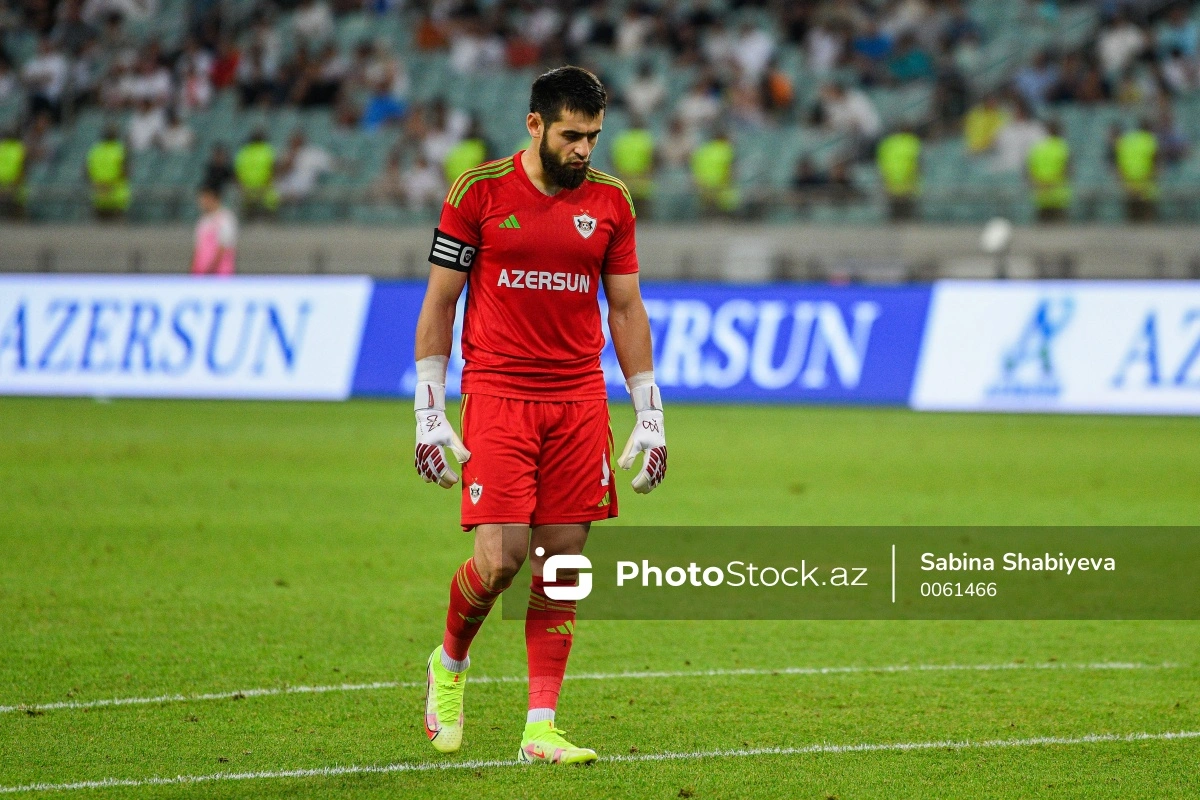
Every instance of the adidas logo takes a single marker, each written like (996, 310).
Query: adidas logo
(566, 629)
(511, 222)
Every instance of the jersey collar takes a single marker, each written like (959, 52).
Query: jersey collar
(563, 194)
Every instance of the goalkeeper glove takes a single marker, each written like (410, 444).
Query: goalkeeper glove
(433, 429)
(648, 435)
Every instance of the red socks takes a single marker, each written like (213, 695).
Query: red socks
(470, 603)
(549, 631)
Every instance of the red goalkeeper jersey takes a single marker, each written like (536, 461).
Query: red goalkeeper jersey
(532, 324)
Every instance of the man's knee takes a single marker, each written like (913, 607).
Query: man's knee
(497, 574)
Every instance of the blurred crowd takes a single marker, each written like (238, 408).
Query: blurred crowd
(284, 54)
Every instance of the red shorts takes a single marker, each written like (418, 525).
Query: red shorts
(536, 463)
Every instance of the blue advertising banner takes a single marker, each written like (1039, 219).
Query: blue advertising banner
(715, 342)
(176, 336)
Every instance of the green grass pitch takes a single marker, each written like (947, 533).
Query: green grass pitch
(178, 548)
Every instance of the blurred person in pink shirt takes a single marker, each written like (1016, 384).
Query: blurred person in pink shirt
(216, 235)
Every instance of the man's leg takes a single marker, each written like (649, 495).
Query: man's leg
(549, 633)
(550, 624)
(499, 552)
(476, 585)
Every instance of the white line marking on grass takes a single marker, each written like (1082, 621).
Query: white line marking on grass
(435, 766)
(580, 676)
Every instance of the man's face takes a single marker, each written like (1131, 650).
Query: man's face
(566, 147)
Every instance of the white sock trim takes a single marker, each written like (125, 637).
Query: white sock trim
(455, 666)
(539, 715)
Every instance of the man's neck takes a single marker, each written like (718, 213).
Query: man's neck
(532, 164)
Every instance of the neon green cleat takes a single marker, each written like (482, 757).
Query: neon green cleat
(544, 743)
(444, 704)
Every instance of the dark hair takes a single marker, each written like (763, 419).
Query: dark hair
(567, 89)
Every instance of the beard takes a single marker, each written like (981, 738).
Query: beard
(560, 174)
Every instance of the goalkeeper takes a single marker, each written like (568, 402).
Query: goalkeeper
(533, 235)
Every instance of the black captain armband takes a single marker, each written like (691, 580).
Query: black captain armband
(451, 253)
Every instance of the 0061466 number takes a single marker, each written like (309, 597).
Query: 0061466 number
(958, 589)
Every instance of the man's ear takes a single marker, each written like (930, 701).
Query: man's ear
(533, 123)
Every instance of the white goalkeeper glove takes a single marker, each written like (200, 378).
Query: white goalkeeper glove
(648, 435)
(433, 429)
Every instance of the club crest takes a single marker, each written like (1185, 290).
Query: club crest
(475, 491)
(585, 225)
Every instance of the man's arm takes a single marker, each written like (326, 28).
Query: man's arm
(630, 329)
(435, 337)
(628, 323)
(435, 325)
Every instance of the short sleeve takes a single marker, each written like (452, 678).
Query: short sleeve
(457, 237)
(621, 258)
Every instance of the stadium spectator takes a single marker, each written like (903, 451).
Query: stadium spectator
(910, 62)
(1178, 33)
(677, 148)
(313, 21)
(826, 47)
(87, 70)
(1119, 43)
(424, 189)
(441, 129)
(475, 47)
(701, 106)
(195, 89)
(871, 47)
(958, 25)
(301, 168)
(899, 160)
(13, 191)
(225, 65)
(1016, 139)
(1137, 165)
(388, 186)
(216, 235)
(10, 83)
(41, 140)
(1049, 172)
(254, 167)
(1080, 81)
(176, 136)
(145, 125)
(850, 113)
(634, 162)
(149, 81)
(45, 77)
(1173, 143)
(471, 151)
(633, 30)
(1035, 81)
(646, 93)
(107, 170)
(752, 52)
(382, 108)
(71, 32)
(778, 94)
(218, 171)
(982, 123)
(714, 174)
(256, 78)
(1180, 73)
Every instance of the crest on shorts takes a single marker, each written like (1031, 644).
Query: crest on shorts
(585, 225)
(475, 491)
